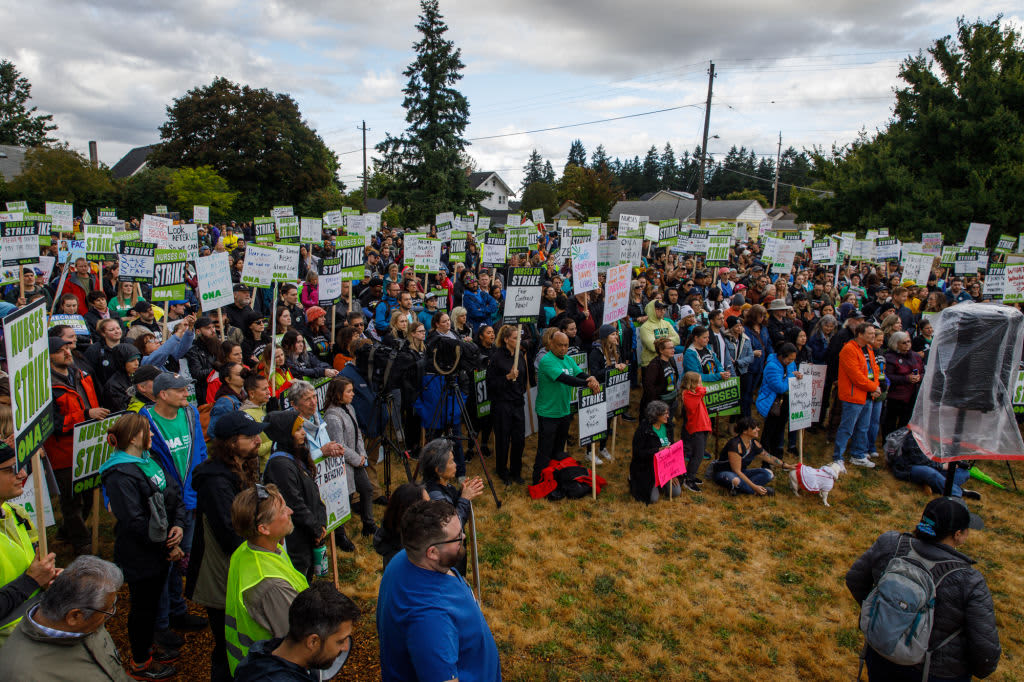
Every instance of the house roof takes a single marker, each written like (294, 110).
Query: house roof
(132, 162)
(732, 209)
(11, 159)
(669, 194)
(479, 178)
(686, 209)
(376, 205)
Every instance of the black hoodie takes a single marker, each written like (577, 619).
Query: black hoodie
(117, 390)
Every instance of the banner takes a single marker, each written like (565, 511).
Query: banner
(20, 242)
(616, 302)
(28, 358)
(135, 261)
(723, 397)
(523, 296)
(483, 401)
(258, 267)
(584, 267)
(616, 392)
(91, 450)
(168, 275)
(214, 275)
(593, 416)
(800, 403)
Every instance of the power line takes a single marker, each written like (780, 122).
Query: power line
(757, 177)
(585, 123)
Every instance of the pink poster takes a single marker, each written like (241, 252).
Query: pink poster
(669, 463)
(616, 295)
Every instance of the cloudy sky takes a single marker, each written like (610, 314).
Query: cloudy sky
(107, 69)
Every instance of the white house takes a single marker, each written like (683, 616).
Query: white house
(497, 188)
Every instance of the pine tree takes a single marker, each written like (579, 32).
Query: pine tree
(651, 171)
(427, 157)
(549, 173)
(599, 159)
(577, 155)
(669, 170)
(533, 171)
(19, 125)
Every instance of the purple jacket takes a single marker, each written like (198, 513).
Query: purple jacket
(898, 368)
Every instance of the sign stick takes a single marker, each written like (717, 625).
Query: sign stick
(167, 308)
(21, 281)
(334, 561)
(593, 470)
(37, 481)
(615, 433)
(220, 317)
(476, 555)
(95, 520)
(273, 334)
(519, 338)
(529, 404)
(800, 444)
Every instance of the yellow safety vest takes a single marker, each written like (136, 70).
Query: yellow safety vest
(16, 555)
(248, 568)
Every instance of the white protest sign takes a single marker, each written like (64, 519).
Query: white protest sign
(281, 212)
(201, 214)
(445, 217)
(616, 393)
(616, 303)
(215, 287)
(428, 255)
(628, 223)
(329, 286)
(286, 265)
(27, 501)
(593, 416)
(372, 222)
(584, 267)
(1013, 290)
(631, 251)
(918, 267)
(816, 374)
(63, 215)
(800, 403)
(333, 219)
(184, 237)
(977, 233)
(538, 215)
(493, 254)
(995, 282)
(651, 232)
(311, 231)
(155, 229)
(332, 483)
(258, 268)
(17, 206)
(28, 357)
(607, 254)
(931, 242)
(523, 296)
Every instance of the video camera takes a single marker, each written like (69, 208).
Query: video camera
(379, 365)
(446, 355)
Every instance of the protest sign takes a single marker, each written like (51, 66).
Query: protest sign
(91, 450)
(800, 403)
(483, 222)
(966, 263)
(669, 463)
(28, 357)
(538, 215)
(214, 275)
(1005, 243)
(821, 250)
(160, 208)
(786, 250)
(457, 247)
(1013, 290)
(518, 241)
(45, 267)
(607, 254)
(155, 229)
(17, 206)
(201, 215)
(584, 267)
(76, 322)
(135, 261)
(287, 228)
(286, 265)
(372, 223)
(107, 216)
(333, 218)
(977, 233)
(628, 223)
(263, 228)
(931, 242)
(483, 401)
(350, 251)
(949, 254)
(616, 304)
(523, 296)
(428, 255)
(668, 231)
(695, 241)
(99, 243)
(816, 375)
(444, 231)
(184, 236)
(258, 268)
(593, 416)
(441, 295)
(332, 482)
(887, 249)
(281, 212)
(493, 254)
(20, 242)
(717, 252)
(918, 267)
(631, 251)
(651, 232)
(63, 215)
(71, 249)
(995, 282)
(723, 397)
(168, 275)
(329, 286)
(445, 217)
(616, 392)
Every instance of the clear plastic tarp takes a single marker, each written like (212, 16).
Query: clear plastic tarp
(964, 409)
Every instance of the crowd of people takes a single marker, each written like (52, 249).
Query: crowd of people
(222, 426)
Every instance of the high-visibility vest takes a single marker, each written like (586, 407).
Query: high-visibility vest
(16, 555)
(248, 568)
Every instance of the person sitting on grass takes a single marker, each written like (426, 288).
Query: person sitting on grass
(651, 436)
(731, 470)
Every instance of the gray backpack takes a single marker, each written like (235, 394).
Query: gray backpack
(898, 613)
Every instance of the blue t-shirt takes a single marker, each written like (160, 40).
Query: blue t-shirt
(430, 627)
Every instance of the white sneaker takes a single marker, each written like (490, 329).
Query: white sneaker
(863, 462)
(607, 456)
(873, 455)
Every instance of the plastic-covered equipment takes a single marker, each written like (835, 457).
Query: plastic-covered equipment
(964, 409)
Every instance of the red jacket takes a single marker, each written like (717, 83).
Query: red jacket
(854, 384)
(697, 418)
(548, 483)
(68, 411)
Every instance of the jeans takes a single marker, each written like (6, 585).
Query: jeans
(145, 597)
(874, 410)
(756, 476)
(854, 423)
(552, 434)
(922, 474)
(172, 601)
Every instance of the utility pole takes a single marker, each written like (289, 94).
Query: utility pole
(704, 145)
(778, 158)
(365, 179)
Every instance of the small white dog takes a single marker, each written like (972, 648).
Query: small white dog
(813, 480)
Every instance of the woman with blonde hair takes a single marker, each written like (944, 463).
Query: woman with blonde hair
(398, 328)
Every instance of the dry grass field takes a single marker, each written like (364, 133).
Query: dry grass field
(707, 587)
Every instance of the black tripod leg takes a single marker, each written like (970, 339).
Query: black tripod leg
(401, 446)
(1012, 477)
(476, 443)
(951, 467)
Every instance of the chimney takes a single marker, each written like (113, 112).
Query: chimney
(93, 157)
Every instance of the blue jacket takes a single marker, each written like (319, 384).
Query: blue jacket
(480, 307)
(162, 454)
(225, 404)
(426, 318)
(173, 347)
(819, 348)
(762, 342)
(691, 363)
(742, 353)
(382, 315)
(362, 402)
(774, 383)
(428, 406)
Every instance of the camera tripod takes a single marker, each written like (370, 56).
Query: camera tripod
(392, 436)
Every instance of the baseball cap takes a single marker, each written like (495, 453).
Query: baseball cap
(238, 288)
(660, 305)
(6, 452)
(145, 373)
(203, 321)
(142, 306)
(430, 295)
(237, 424)
(57, 344)
(178, 302)
(685, 311)
(943, 516)
(166, 380)
(376, 282)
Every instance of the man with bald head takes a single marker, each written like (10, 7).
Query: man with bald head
(557, 375)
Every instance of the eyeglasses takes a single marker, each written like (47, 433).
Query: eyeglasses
(460, 538)
(261, 494)
(12, 469)
(108, 614)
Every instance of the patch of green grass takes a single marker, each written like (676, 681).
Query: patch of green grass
(560, 577)
(736, 553)
(773, 656)
(789, 577)
(850, 638)
(771, 523)
(566, 599)
(699, 555)
(494, 552)
(547, 650)
(604, 585)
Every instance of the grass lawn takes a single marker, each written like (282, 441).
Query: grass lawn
(706, 587)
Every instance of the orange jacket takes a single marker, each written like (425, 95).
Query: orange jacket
(854, 384)
(68, 411)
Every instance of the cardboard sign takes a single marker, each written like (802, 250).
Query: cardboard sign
(523, 296)
(286, 264)
(816, 374)
(428, 255)
(184, 236)
(329, 286)
(215, 286)
(333, 218)
(800, 403)
(931, 242)
(631, 251)
(155, 229)
(1013, 291)
(311, 231)
(168, 275)
(63, 215)
(17, 206)
(593, 416)
(669, 463)
(977, 233)
(135, 261)
(28, 357)
(258, 268)
(723, 397)
(332, 482)
(493, 254)
(91, 450)
(616, 392)
(918, 267)
(20, 242)
(616, 304)
(584, 267)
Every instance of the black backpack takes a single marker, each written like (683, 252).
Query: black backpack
(569, 482)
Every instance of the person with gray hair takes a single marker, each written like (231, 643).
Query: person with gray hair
(905, 370)
(436, 469)
(65, 636)
(651, 436)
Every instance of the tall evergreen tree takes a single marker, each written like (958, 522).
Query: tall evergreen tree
(599, 159)
(577, 155)
(651, 171)
(669, 170)
(549, 173)
(533, 171)
(20, 126)
(427, 158)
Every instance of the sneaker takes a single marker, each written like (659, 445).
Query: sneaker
(151, 670)
(873, 455)
(342, 541)
(689, 485)
(971, 495)
(628, 418)
(734, 490)
(188, 622)
(863, 462)
(168, 639)
(604, 454)
(696, 481)
(162, 654)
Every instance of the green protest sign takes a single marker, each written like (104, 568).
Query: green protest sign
(667, 233)
(483, 403)
(99, 243)
(718, 251)
(28, 357)
(263, 228)
(91, 450)
(457, 247)
(168, 274)
(350, 251)
(441, 296)
(1006, 243)
(519, 241)
(287, 228)
(723, 397)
